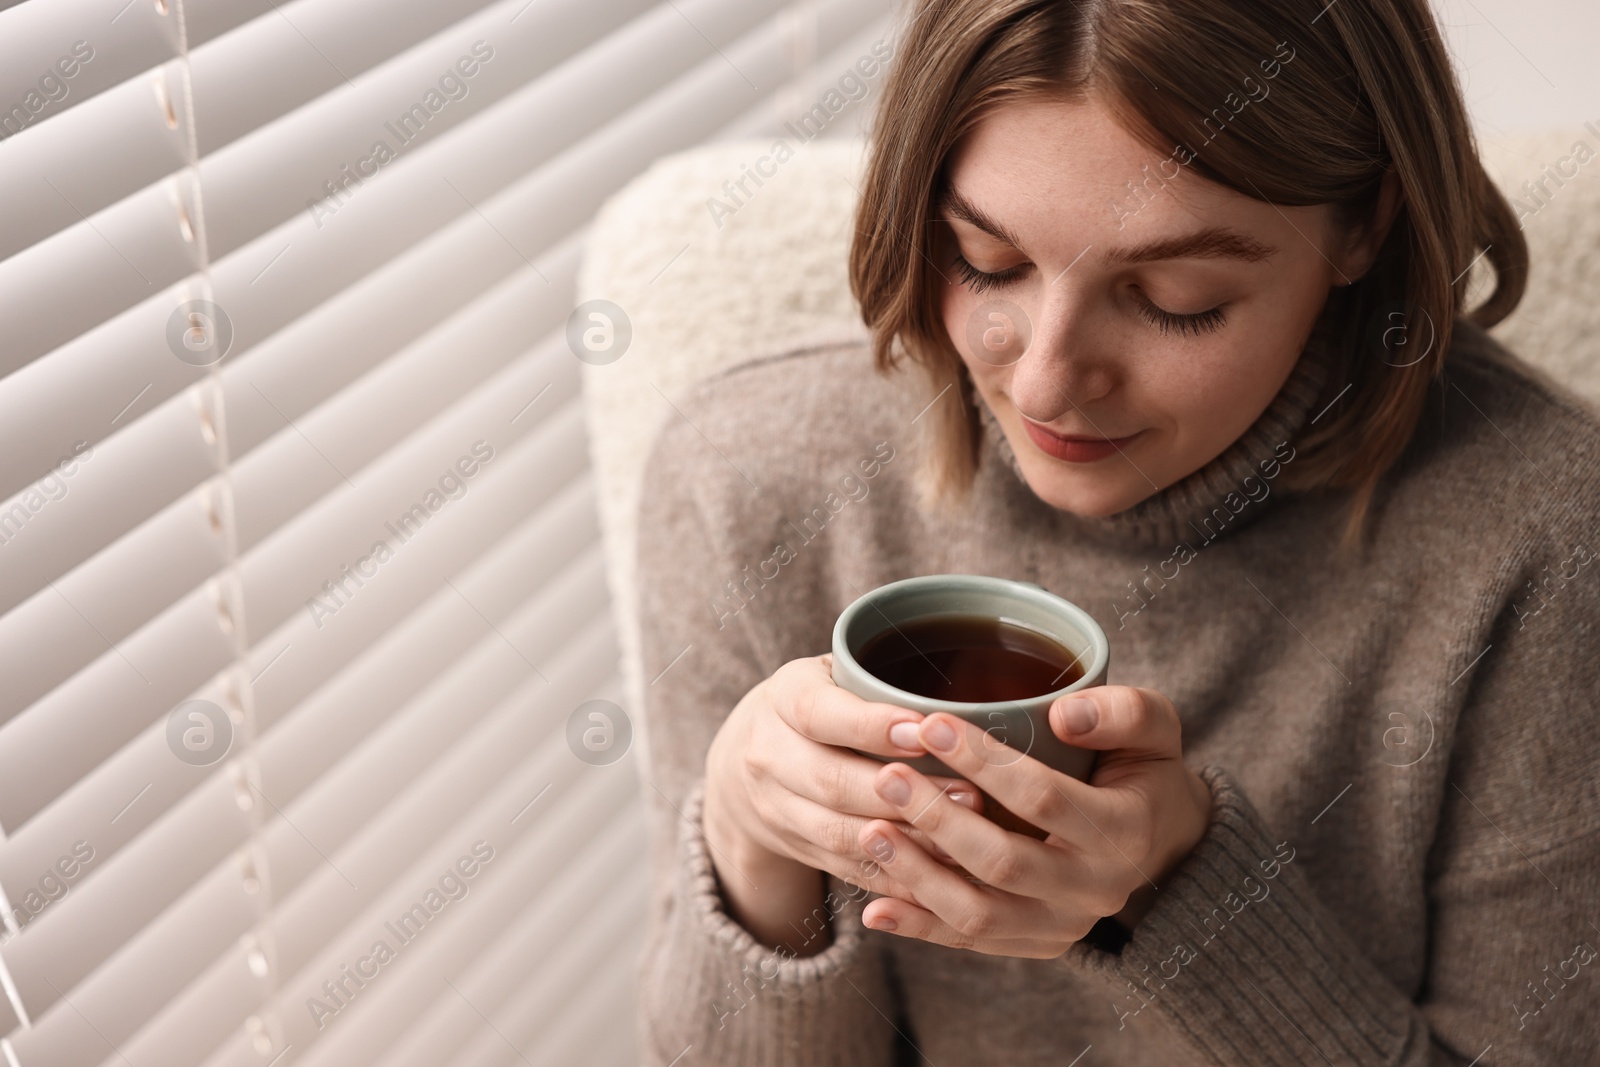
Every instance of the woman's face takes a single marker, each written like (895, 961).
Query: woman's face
(1162, 323)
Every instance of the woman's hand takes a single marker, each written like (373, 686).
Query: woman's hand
(1111, 840)
(785, 799)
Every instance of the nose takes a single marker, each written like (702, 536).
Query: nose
(1065, 369)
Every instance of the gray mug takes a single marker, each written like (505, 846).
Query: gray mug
(1012, 727)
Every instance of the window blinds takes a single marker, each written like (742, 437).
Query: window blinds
(289, 639)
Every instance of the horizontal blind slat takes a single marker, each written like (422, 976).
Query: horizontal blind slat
(540, 558)
(288, 474)
(407, 991)
(536, 845)
(482, 158)
(355, 791)
(97, 492)
(95, 270)
(605, 78)
(57, 172)
(284, 571)
(535, 211)
(79, 724)
(260, 72)
(212, 922)
(34, 38)
(45, 640)
(266, 69)
(63, 945)
(257, 182)
(322, 354)
(364, 421)
(209, 19)
(93, 389)
(519, 711)
(313, 359)
(88, 928)
(65, 735)
(569, 930)
(607, 995)
(764, 121)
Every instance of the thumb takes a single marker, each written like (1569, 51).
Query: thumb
(1118, 717)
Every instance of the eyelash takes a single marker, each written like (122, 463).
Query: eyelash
(1166, 321)
(1193, 325)
(981, 281)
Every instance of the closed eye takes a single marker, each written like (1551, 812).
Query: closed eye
(979, 280)
(1191, 325)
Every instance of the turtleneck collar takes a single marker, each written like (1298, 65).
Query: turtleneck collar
(1214, 500)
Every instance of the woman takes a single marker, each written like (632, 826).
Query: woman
(1188, 282)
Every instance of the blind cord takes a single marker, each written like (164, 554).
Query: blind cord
(227, 589)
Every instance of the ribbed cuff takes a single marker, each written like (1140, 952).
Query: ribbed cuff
(710, 985)
(1246, 964)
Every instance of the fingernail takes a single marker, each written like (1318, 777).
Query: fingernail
(962, 797)
(894, 789)
(882, 922)
(904, 735)
(938, 735)
(1078, 715)
(881, 847)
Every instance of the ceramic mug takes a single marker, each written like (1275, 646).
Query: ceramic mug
(1012, 728)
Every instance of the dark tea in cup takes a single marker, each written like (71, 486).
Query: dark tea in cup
(969, 658)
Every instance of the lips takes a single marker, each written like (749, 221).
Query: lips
(1076, 448)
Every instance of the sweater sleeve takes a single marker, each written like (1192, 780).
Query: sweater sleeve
(706, 984)
(1249, 966)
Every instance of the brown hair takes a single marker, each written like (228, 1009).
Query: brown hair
(1358, 88)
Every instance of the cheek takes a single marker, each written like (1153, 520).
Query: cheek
(957, 307)
(972, 320)
(1205, 401)
(1222, 388)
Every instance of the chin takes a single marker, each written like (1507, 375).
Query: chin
(1091, 495)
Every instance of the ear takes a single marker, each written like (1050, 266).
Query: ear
(1361, 247)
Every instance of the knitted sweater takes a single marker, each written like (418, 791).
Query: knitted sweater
(1403, 862)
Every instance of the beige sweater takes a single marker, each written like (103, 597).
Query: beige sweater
(1403, 746)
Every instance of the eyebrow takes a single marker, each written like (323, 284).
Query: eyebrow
(955, 205)
(1212, 243)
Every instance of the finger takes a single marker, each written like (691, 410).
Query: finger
(958, 790)
(977, 911)
(928, 844)
(1118, 717)
(835, 778)
(904, 919)
(810, 702)
(829, 841)
(1071, 810)
(1007, 861)
(834, 844)
(962, 792)
(875, 807)
(839, 779)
